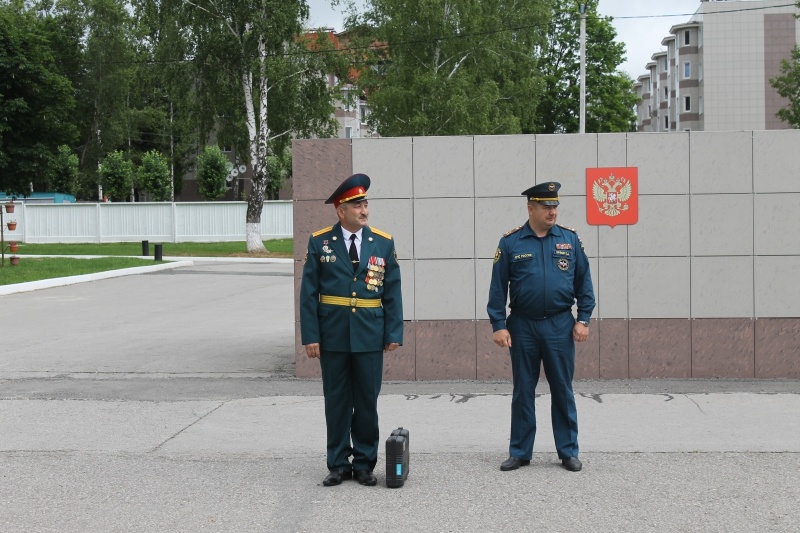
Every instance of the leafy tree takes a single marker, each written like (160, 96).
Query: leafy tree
(62, 174)
(610, 97)
(35, 101)
(212, 172)
(452, 67)
(153, 173)
(280, 168)
(255, 71)
(116, 173)
(788, 86)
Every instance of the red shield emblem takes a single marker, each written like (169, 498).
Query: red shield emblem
(612, 196)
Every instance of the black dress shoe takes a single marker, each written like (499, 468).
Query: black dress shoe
(512, 463)
(365, 477)
(572, 464)
(335, 477)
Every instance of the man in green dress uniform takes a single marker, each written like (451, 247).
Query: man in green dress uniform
(351, 311)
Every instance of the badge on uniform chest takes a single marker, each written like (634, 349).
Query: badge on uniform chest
(563, 264)
(376, 268)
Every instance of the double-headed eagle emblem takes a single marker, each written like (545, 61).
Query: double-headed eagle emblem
(610, 194)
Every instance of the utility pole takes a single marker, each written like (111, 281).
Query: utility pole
(583, 69)
(171, 158)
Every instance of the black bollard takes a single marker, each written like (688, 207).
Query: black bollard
(158, 252)
(145, 248)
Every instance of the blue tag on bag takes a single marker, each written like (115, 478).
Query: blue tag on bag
(399, 469)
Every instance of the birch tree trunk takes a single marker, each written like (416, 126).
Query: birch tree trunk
(259, 135)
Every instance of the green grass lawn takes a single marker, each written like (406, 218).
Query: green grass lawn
(275, 248)
(36, 268)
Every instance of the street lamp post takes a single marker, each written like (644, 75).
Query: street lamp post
(583, 69)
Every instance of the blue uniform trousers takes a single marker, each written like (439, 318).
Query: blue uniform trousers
(549, 342)
(351, 383)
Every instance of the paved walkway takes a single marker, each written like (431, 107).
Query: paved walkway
(165, 402)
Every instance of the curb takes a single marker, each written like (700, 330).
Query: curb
(83, 278)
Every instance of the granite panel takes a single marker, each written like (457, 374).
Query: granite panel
(663, 162)
(304, 366)
(483, 278)
(407, 287)
(298, 277)
(776, 217)
(659, 287)
(722, 287)
(319, 166)
(776, 160)
(387, 161)
(612, 242)
(777, 291)
(721, 162)
(308, 217)
(505, 165)
(587, 355)
(612, 150)
(400, 364)
(446, 349)
(611, 288)
(444, 228)
(777, 352)
(565, 158)
(444, 289)
(493, 218)
(494, 363)
(660, 348)
(443, 167)
(722, 224)
(723, 348)
(395, 217)
(613, 348)
(652, 236)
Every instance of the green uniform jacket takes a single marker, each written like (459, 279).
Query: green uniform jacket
(328, 271)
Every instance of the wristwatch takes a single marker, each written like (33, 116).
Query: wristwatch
(584, 322)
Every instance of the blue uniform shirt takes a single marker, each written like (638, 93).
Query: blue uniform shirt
(545, 276)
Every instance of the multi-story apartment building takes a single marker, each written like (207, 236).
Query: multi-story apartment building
(715, 71)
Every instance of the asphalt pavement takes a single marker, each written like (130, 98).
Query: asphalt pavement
(165, 400)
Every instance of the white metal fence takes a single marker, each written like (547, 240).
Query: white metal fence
(153, 221)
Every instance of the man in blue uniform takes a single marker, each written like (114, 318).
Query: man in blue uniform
(546, 270)
(351, 310)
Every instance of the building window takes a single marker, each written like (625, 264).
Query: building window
(348, 132)
(687, 103)
(666, 123)
(687, 70)
(227, 149)
(700, 105)
(666, 64)
(687, 40)
(700, 71)
(666, 93)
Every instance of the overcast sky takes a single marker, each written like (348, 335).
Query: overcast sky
(640, 24)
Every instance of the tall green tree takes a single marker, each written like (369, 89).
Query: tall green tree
(116, 174)
(153, 175)
(452, 67)
(255, 69)
(62, 173)
(610, 97)
(36, 101)
(212, 172)
(788, 86)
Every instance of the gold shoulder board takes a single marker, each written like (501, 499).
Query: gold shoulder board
(566, 228)
(381, 233)
(320, 232)
(509, 232)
